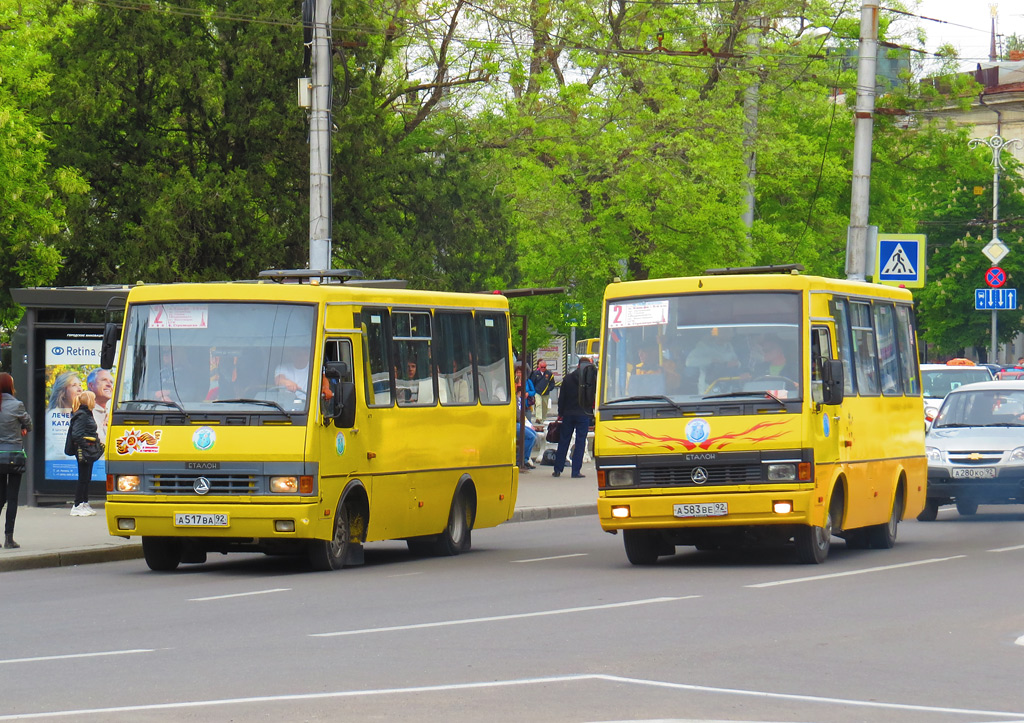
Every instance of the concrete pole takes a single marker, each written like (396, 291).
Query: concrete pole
(750, 111)
(320, 140)
(857, 234)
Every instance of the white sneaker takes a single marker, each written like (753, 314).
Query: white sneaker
(77, 511)
(87, 511)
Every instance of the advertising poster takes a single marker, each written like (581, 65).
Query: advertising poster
(72, 366)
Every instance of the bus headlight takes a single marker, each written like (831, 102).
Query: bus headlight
(619, 477)
(781, 472)
(934, 454)
(291, 484)
(128, 483)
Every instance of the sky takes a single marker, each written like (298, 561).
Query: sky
(968, 24)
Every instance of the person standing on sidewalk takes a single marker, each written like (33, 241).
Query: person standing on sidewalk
(83, 424)
(576, 420)
(543, 384)
(15, 423)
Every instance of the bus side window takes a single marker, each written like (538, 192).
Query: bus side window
(414, 378)
(841, 315)
(908, 351)
(865, 359)
(452, 344)
(376, 359)
(493, 375)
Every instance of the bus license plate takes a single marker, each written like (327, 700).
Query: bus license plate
(974, 472)
(193, 519)
(702, 509)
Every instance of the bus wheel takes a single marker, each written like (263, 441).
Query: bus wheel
(813, 542)
(883, 536)
(458, 535)
(330, 554)
(162, 554)
(642, 546)
(966, 508)
(930, 511)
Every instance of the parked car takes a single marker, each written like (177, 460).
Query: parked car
(975, 448)
(938, 380)
(1010, 373)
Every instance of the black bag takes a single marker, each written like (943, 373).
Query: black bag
(69, 444)
(90, 449)
(588, 387)
(554, 433)
(548, 457)
(12, 462)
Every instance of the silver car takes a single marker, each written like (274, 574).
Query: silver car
(975, 448)
(938, 380)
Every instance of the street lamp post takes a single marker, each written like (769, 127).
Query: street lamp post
(997, 143)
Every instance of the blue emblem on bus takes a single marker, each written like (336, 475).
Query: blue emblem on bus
(698, 430)
(204, 438)
(339, 443)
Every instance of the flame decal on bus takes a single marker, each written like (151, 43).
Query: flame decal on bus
(640, 438)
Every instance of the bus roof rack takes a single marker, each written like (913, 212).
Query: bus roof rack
(773, 269)
(298, 275)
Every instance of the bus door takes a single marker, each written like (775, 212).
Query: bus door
(341, 452)
(827, 419)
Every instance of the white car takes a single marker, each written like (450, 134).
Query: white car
(938, 380)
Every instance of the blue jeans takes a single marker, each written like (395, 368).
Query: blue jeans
(578, 426)
(529, 439)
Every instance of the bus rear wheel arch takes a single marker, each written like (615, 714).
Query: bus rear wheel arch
(457, 536)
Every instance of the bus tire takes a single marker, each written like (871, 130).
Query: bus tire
(883, 536)
(162, 554)
(457, 536)
(642, 546)
(813, 542)
(930, 511)
(966, 507)
(330, 554)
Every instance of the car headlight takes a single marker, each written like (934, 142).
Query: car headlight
(930, 413)
(1017, 455)
(934, 454)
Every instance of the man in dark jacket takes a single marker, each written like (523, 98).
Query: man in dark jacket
(576, 421)
(543, 383)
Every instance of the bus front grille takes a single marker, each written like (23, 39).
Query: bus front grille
(671, 476)
(219, 484)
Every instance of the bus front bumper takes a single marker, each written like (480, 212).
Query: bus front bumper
(304, 519)
(666, 510)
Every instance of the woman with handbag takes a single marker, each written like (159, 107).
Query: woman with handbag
(15, 423)
(84, 444)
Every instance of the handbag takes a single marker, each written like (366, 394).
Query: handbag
(554, 433)
(12, 462)
(90, 449)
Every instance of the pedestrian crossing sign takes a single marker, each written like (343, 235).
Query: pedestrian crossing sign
(899, 260)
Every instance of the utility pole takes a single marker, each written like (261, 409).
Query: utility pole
(750, 111)
(857, 233)
(997, 144)
(320, 215)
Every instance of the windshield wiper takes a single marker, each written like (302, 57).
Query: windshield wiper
(165, 402)
(646, 398)
(264, 402)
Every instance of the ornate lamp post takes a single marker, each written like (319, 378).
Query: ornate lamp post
(997, 143)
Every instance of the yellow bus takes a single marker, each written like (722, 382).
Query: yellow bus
(293, 417)
(588, 347)
(758, 406)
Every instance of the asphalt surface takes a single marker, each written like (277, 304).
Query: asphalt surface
(51, 537)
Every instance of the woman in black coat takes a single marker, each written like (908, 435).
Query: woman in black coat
(14, 423)
(83, 425)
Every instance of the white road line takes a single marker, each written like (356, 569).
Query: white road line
(406, 574)
(831, 575)
(239, 594)
(507, 683)
(553, 557)
(496, 618)
(76, 655)
(1008, 549)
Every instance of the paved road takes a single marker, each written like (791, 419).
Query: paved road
(542, 621)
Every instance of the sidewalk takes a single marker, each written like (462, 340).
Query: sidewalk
(51, 537)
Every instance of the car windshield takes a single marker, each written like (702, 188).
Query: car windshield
(693, 347)
(982, 408)
(216, 357)
(938, 383)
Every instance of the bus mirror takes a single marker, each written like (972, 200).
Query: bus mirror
(108, 350)
(344, 404)
(832, 381)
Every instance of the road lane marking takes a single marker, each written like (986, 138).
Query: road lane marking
(553, 557)
(830, 575)
(496, 618)
(505, 684)
(77, 655)
(239, 594)
(1008, 549)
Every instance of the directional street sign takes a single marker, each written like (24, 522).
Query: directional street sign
(995, 250)
(899, 260)
(995, 277)
(995, 299)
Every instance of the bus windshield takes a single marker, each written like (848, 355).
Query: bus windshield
(693, 347)
(217, 357)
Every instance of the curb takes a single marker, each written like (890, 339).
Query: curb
(67, 558)
(531, 514)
